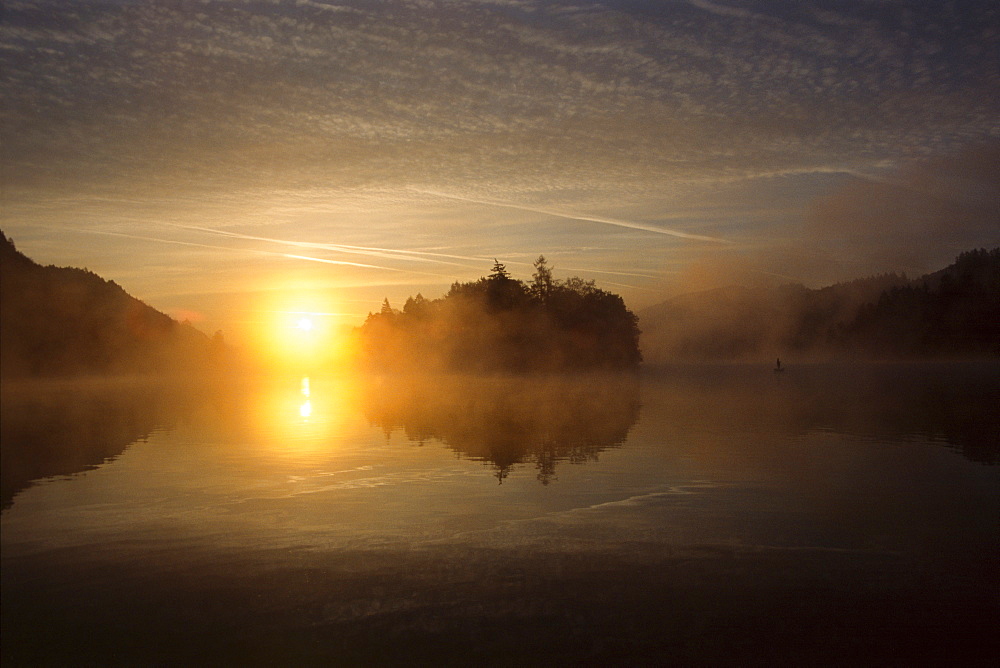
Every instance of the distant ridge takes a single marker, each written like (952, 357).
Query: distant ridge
(954, 312)
(62, 321)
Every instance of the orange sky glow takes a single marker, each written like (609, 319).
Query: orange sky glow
(245, 165)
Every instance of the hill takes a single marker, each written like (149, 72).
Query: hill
(952, 312)
(63, 321)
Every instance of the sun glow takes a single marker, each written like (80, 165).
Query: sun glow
(305, 410)
(295, 414)
(302, 330)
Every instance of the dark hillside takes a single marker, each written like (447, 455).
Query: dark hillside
(60, 321)
(952, 312)
(736, 323)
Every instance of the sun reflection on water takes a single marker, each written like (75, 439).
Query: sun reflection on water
(305, 410)
(298, 414)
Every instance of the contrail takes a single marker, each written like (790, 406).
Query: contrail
(325, 261)
(631, 287)
(318, 247)
(381, 252)
(238, 250)
(607, 221)
(607, 271)
(255, 251)
(413, 256)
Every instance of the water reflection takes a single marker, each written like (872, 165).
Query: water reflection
(507, 421)
(59, 428)
(53, 428)
(953, 404)
(813, 518)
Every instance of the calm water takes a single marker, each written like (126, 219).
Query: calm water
(703, 515)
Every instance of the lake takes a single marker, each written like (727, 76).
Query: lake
(700, 515)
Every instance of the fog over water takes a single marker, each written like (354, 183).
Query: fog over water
(249, 196)
(709, 514)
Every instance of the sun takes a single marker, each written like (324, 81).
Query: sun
(301, 331)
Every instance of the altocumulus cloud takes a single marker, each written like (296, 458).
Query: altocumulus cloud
(252, 114)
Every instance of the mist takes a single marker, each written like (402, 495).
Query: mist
(915, 219)
(950, 313)
(857, 243)
(502, 324)
(265, 402)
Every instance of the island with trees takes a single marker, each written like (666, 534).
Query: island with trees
(501, 324)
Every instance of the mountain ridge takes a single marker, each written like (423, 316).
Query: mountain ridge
(954, 311)
(66, 321)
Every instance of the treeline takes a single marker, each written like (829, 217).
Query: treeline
(63, 321)
(954, 312)
(499, 323)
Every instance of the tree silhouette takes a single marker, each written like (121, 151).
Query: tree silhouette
(415, 307)
(542, 283)
(955, 311)
(64, 321)
(500, 323)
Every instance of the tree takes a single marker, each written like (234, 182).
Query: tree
(541, 284)
(503, 292)
(499, 271)
(415, 306)
(580, 286)
(502, 323)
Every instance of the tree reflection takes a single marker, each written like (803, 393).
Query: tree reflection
(505, 421)
(951, 403)
(52, 428)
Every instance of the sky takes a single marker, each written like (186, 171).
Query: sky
(225, 160)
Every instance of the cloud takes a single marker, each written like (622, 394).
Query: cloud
(605, 221)
(250, 251)
(329, 119)
(920, 217)
(723, 10)
(396, 254)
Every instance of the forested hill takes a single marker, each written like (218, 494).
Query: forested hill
(61, 321)
(954, 312)
(499, 323)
